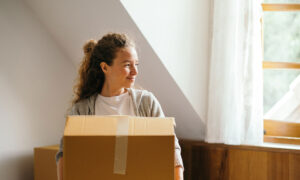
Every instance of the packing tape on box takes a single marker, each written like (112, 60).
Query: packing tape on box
(121, 146)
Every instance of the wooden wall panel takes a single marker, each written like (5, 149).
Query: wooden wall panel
(212, 163)
(247, 165)
(205, 161)
(186, 153)
(278, 166)
(294, 166)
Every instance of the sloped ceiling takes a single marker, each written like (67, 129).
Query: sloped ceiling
(72, 22)
(178, 32)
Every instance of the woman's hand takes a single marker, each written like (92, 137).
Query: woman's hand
(178, 173)
(60, 169)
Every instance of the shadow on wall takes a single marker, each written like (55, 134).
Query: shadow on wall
(18, 167)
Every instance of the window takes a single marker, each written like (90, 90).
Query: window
(281, 47)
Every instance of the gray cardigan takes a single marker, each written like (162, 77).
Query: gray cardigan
(145, 104)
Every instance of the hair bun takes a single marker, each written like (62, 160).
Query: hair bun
(89, 46)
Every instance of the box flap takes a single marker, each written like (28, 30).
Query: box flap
(110, 126)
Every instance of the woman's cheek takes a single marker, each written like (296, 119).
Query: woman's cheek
(126, 71)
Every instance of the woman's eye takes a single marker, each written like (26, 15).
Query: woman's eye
(129, 65)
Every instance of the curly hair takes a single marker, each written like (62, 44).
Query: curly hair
(90, 75)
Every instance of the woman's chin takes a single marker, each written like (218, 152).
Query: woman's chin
(129, 85)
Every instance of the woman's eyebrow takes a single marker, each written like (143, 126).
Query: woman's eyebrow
(125, 61)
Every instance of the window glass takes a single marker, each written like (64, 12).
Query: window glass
(281, 93)
(282, 36)
(281, 1)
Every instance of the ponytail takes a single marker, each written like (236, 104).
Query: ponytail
(84, 70)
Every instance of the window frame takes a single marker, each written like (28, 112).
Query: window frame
(279, 131)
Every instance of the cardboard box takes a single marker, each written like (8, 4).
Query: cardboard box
(44, 162)
(118, 148)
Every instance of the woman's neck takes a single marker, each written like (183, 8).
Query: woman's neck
(109, 91)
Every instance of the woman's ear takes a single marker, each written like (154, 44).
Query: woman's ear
(103, 66)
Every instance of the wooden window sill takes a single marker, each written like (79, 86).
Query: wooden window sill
(265, 146)
(282, 140)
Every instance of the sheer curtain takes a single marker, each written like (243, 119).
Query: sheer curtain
(235, 106)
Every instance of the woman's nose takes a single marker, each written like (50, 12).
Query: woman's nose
(134, 70)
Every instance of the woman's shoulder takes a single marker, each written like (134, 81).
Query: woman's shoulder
(76, 107)
(148, 102)
(142, 95)
(82, 106)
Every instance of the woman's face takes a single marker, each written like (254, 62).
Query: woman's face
(123, 71)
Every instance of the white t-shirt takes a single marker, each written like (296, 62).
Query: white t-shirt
(115, 105)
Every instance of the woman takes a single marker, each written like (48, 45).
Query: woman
(106, 75)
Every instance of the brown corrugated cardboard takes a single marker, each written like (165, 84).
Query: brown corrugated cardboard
(44, 162)
(118, 148)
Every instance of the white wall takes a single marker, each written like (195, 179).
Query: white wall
(178, 31)
(35, 83)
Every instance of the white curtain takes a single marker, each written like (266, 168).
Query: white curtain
(235, 109)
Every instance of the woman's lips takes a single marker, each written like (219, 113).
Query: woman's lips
(131, 79)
